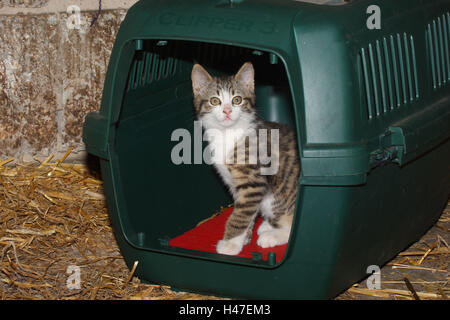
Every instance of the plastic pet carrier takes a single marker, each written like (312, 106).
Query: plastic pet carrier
(371, 108)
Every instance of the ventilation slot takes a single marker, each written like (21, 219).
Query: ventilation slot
(438, 34)
(389, 74)
(217, 54)
(152, 66)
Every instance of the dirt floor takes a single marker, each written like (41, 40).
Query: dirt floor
(54, 227)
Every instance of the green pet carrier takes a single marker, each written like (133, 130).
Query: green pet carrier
(366, 86)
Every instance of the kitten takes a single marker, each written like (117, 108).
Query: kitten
(227, 105)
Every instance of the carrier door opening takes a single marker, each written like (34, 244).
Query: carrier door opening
(175, 201)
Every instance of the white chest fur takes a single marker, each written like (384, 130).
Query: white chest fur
(226, 177)
(223, 153)
(222, 142)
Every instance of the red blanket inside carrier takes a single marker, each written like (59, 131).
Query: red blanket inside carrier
(205, 236)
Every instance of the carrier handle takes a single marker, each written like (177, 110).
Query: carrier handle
(221, 3)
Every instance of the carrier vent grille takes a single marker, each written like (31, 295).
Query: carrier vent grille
(389, 74)
(152, 66)
(438, 38)
(167, 59)
(212, 54)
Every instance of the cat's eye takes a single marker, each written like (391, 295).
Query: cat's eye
(214, 101)
(237, 100)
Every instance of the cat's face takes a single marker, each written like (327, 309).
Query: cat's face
(224, 102)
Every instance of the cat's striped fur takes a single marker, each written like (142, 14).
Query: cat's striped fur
(227, 104)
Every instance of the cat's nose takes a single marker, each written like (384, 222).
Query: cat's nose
(227, 110)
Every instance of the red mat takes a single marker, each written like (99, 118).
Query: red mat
(205, 237)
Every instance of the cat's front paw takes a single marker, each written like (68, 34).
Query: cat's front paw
(229, 247)
(273, 238)
(264, 227)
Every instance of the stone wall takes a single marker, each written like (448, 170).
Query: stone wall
(52, 68)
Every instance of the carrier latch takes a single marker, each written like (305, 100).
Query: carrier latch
(392, 148)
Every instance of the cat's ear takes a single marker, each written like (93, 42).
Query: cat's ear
(200, 78)
(246, 76)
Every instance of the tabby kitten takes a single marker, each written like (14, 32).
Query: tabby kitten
(227, 105)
